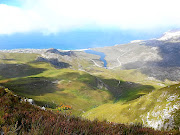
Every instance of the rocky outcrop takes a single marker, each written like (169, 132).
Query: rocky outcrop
(58, 58)
(63, 53)
(55, 62)
(161, 116)
(100, 84)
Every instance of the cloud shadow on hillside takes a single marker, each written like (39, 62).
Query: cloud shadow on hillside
(126, 91)
(54, 62)
(18, 70)
(35, 86)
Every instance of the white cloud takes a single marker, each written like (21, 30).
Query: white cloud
(51, 16)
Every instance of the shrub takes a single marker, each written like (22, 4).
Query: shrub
(24, 118)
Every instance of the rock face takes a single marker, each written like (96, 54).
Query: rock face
(161, 117)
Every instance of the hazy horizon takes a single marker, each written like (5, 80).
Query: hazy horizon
(78, 39)
(80, 24)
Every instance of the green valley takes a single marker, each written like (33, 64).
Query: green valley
(133, 92)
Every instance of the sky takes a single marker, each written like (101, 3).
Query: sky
(75, 24)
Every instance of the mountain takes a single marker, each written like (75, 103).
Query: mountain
(157, 58)
(139, 84)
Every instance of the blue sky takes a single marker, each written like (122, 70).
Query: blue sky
(75, 24)
(11, 2)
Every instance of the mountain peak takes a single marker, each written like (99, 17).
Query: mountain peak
(60, 52)
(170, 35)
(53, 50)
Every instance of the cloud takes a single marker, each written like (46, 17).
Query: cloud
(52, 16)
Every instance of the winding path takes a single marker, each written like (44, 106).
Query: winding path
(119, 60)
(95, 63)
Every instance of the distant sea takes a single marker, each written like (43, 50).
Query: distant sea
(76, 39)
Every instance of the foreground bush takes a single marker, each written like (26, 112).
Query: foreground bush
(18, 117)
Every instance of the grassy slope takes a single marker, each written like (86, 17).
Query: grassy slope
(152, 105)
(52, 86)
(132, 85)
(19, 117)
(72, 87)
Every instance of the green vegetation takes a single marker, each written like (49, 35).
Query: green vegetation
(17, 58)
(152, 107)
(126, 85)
(122, 96)
(75, 88)
(19, 117)
(49, 86)
(176, 114)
